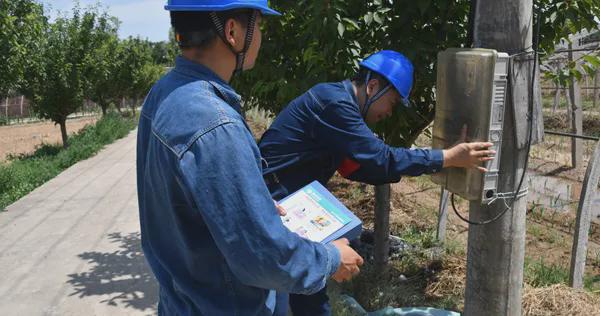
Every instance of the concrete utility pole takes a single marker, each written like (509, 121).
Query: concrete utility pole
(584, 218)
(382, 227)
(496, 251)
(576, 116)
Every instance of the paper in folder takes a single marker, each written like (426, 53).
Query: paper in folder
(315, 214)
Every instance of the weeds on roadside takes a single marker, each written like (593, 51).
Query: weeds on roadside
(23, 173)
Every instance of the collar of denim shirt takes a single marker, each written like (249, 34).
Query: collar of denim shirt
(350, 89)
(199, 71)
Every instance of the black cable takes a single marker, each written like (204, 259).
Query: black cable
(530, 136)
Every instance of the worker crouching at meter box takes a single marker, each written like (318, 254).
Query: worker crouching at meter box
(325, 130)
(210, 230)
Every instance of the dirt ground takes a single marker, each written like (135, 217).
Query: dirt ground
(22, 139)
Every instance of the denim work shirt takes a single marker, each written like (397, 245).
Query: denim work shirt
(210, 230)
(323, 131)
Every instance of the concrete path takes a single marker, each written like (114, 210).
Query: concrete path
(72, 247)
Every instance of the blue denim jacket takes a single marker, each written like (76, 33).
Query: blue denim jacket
(323, 131)
(210, 230)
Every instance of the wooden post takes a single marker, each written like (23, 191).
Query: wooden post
(596, 92)
(496, 251)
(584, 217)
(6, 109)
(576, 118)
(442, 216)
(569, 106)
(587, 85)
(382, 226)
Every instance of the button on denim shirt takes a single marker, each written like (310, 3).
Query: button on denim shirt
(210, 230)
(323, 131)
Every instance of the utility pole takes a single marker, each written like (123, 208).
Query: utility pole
(576, 116)
(382, 227)
(496, 251)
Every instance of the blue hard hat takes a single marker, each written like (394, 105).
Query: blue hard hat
(220, 5)
(394, 67)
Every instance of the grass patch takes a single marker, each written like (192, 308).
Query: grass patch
(538, 274)
(406, 280)
(23, 173)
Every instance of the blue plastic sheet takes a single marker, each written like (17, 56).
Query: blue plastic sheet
(358, 310)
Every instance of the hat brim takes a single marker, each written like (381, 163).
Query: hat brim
(198, 7)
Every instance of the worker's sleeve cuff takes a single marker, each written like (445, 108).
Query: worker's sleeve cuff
(437, 161)
(334, 259)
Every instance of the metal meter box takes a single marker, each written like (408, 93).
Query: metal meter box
(471, 92)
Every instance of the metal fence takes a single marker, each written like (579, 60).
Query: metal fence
(17, 110)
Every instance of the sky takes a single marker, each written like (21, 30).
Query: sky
(146, 18)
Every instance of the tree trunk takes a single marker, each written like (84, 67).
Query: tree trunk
(556, 98)
(104, 106)
(120, 105)
(63, 132)
(134, 108)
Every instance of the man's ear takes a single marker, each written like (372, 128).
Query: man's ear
(232, 31)
(372, 87)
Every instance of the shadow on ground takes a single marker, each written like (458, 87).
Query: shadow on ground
(122, 275)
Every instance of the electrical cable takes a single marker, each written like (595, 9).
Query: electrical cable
(529, 139)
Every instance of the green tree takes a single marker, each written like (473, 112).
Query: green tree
(164, 53)
(138, 71)
(67, 62)
(22, 26)
(561, 19)
(145, 77)
(319, 41)
(102, 87)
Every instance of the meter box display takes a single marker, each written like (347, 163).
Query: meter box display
(471, 94)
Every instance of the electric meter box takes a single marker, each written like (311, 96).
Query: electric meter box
(471, 92)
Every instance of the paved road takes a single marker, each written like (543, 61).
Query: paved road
(72, 247)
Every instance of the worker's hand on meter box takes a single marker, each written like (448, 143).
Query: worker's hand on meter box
(468, 155)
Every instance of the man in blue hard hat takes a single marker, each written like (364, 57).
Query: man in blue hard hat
(210, 230)
(325, 130)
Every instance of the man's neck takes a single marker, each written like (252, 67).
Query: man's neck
(360, 95)
(220, 61)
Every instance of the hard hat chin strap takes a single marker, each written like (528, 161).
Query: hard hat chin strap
(377, 96)
(241, 55)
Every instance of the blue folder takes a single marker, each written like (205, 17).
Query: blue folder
(352, 225)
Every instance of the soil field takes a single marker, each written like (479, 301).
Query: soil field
(23, 139)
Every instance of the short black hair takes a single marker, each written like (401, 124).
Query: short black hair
(360, 77)
(198, 24)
